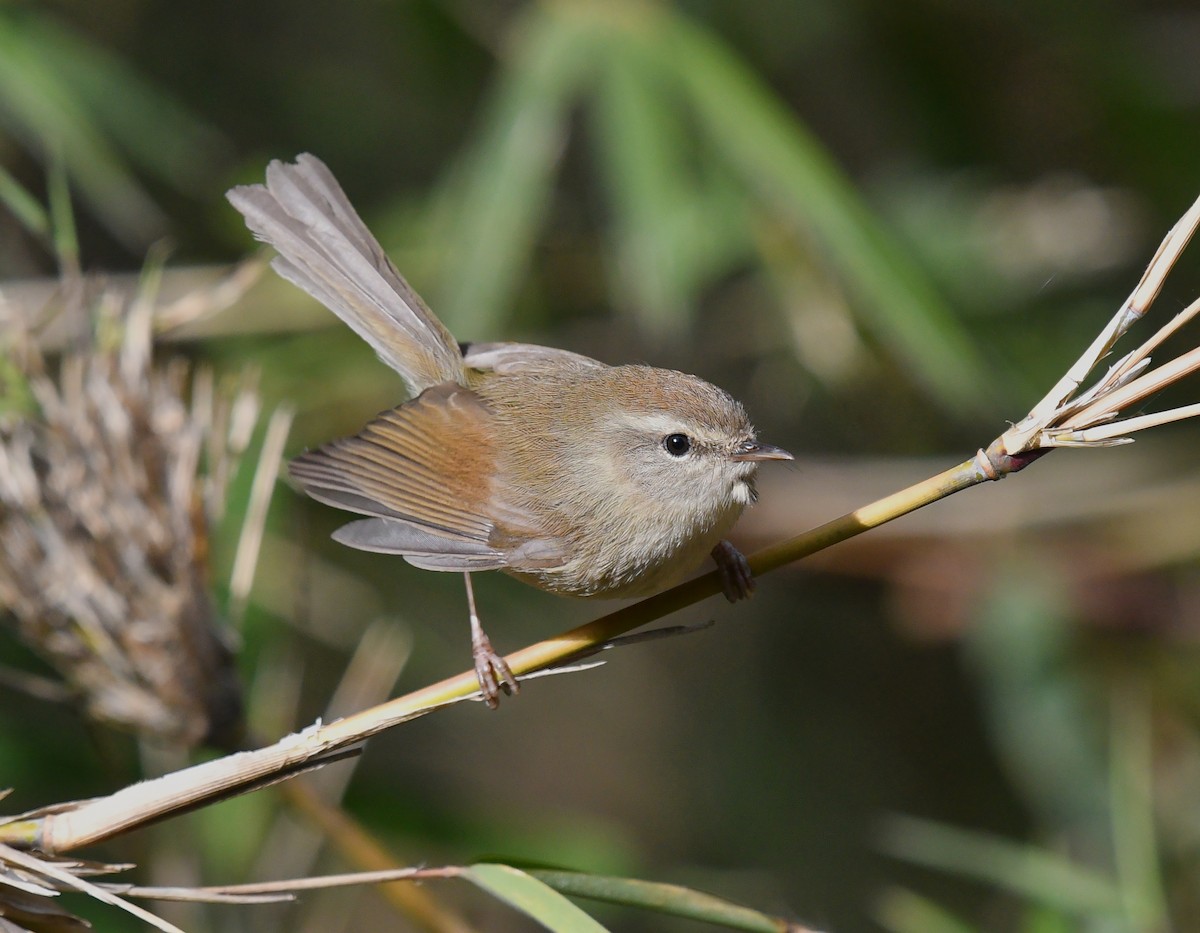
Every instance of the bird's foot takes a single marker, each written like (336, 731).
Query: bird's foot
(491, 670)
(737, 582)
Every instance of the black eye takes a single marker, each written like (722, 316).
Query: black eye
(677, 444)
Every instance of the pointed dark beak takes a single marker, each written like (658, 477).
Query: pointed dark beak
(752, 452)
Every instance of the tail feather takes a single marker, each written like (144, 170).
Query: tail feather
(326, 249)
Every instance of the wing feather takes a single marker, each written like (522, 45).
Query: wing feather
(428, 462)
(419, 547)
(424, 473)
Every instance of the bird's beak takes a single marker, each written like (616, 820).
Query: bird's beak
(753, 452)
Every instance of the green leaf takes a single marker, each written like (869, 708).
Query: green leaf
(638, 140)
(152, 128)
(677, 220)
(662, 898)
(1038, 918)
(1040, 707)
(16, 397)
(23, 205)
(1027, 870)
(495, 201)
(532, 897)
(795, 178)
(41, 109)
(66, 240)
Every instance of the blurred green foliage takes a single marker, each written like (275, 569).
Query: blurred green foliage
(65, 97)
(886, 228)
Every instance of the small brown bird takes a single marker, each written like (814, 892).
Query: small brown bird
(577, 477)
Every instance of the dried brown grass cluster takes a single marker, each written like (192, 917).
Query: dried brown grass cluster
(110, 475)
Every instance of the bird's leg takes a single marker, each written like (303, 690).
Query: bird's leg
(737, 582)
(490, 668)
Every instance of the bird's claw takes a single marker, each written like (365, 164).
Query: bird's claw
(492, 671)
(737, 582)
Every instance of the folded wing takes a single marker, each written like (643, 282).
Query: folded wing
(422, 472)
(425, 474)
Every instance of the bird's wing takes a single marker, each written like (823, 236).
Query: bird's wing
(326, 249)
(424, 473)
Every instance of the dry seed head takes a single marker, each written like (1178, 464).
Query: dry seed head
(107, 489)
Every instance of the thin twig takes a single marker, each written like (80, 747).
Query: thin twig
(72, 882)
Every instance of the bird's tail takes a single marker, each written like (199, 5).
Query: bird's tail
(326, 249)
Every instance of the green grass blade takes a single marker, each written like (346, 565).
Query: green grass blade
(532, 897)
(498, 197)
(1135, 845)
(662, 898)
(151, 128)
(48, 116)
(23, 205)
(62, 217)
(796, 179)
(637, 141)
(677, 224)
(1026, 870)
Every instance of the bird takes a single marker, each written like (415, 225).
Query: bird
(580, 478)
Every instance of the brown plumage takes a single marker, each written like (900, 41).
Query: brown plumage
(580, 478)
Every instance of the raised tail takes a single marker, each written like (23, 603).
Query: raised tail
(326, 249)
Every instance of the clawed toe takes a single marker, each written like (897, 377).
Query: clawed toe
(737, 582)
(492, 672)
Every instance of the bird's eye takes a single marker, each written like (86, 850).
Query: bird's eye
(677, 444)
